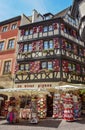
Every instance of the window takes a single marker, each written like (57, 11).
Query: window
(26, 32)
(1, 45)
(50, 65)
(44, 65)
(47, 65)
(30, 47)
(31, 31)
(45, 29)
(26, 66)
(11, 44)
(50, 28)
(48, 45)
(45, 45)
(22, 67)
(51, 44)
(27, 47)
(7, 65)
(4, 29)
(14, 26)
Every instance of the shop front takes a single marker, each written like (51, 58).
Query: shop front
(57, 102)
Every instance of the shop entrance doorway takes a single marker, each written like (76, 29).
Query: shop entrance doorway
(50, 105)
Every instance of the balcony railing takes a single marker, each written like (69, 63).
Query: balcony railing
(73, 78)
(38, 54)
(38, 76)
(72, 38)
(73, 56)
(47, 76)
(39, 35)
(49, 53)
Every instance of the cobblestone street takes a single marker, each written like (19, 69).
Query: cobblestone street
(46, 124)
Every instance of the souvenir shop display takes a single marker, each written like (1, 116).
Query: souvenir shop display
(83, 104)
(68, 107)
(5, 106)
(76, 106)
(34, 116)
(41, 107)
(12, 115)
(57, 106)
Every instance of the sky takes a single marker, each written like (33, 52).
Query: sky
(13, 8)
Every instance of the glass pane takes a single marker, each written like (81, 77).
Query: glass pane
(7, 66)
(26, 32)
(26, 66)
(31, 31)
(50, 28)
(43, 65)
(22, 67)
(51, 44)
(11, 44)
(50, 65)
(1, 46)
(45, 45)
(25, 48)
(45, 29)
(30, 47)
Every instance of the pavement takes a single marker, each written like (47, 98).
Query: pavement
(45, 124)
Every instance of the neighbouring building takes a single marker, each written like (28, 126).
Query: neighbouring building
(8, 49)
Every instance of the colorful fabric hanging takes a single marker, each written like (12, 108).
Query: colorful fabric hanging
(20, 47)
(40, 29)
(33, 46)
(54, 26)
(65, 66)
(22, 32)
(62, 27)
(56, 65)
(56, 43)
(34, 29)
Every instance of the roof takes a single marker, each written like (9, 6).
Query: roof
(62, 13)
(10, 20)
